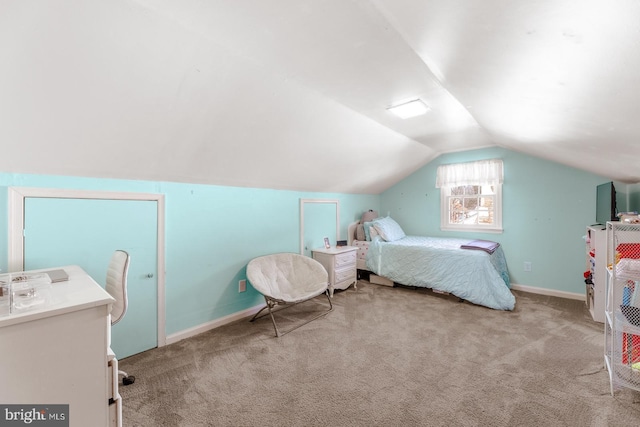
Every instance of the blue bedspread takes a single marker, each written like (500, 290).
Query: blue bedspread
(441, 264)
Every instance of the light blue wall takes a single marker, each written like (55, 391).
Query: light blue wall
(211, 234)
(546, 208)
(213, 231)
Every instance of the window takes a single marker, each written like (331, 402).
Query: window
(471, 196)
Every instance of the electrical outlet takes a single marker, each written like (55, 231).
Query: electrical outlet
(242, 285)
(527, 266)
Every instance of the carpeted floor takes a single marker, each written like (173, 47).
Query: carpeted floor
(387, 357)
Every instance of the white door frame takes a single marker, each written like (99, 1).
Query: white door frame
(16, 230)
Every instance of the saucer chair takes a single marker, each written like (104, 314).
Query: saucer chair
(287, 278)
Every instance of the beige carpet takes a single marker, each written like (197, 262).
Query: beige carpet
(387, 357)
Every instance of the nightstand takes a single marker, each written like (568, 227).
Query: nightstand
(340, 263)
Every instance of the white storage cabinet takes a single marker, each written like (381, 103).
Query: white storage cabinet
(622, 306)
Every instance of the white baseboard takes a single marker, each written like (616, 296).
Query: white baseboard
(187, 333)
(550, 292)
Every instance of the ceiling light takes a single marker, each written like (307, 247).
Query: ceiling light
(409, 109)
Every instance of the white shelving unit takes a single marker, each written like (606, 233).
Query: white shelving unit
(596, 256)
(622, 306)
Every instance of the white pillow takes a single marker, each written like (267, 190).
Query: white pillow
(368, 226)
(388, 229)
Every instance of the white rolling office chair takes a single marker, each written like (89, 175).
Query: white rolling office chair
(116, 286)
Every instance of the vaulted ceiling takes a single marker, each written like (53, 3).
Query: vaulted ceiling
(294, 94)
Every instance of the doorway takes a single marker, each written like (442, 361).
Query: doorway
(50, 228)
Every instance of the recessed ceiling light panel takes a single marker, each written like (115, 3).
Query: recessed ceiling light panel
(409, 109)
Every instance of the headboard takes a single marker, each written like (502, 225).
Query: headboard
(351, 232)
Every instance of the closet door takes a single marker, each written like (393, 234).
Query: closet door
(85, 232)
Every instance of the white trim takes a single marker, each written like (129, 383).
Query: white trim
(162, 335)
(213, 324)
(302, 202)
(550, 292)
(15, 237)
(16, 233)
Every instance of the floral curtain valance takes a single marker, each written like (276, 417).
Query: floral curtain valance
(483, 172)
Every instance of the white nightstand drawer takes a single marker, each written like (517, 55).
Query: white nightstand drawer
(345, 259)
(343, 275)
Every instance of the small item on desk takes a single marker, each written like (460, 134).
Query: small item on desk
(340, 243)
(29, 290)
(57, 275)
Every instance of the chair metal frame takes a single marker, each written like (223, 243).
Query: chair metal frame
(273, 303)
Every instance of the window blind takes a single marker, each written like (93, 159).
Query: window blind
(483, 172)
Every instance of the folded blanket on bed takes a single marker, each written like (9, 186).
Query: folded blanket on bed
(482, 245)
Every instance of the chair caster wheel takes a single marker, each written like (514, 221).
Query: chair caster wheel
(128, 380)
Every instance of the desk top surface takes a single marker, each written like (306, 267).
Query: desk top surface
(77, 293)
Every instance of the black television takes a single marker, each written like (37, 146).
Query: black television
(606, 209)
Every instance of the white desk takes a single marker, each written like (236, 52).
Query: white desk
(58, 353)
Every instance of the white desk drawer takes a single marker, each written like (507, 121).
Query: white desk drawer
(112, 379)
(115, 412)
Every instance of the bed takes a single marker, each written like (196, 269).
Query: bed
(477, 274)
